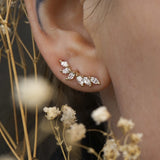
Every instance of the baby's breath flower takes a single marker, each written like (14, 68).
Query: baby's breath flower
(68, 116)
(2, 28)
(100, 115)
(13, 3)
(136, 137)
(130, 151)
(110, 150)
(125, 124)
(51, 112)
(7, 157)
(35, 92)
(75, 133)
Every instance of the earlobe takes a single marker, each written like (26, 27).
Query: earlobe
(61, 36)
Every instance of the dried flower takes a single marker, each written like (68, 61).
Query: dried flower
(110, 150)
(100, 115)
(35, 92)
(68, 116)
(130, 151)
(75, 133)
(7, 157)
(51, 112)
(125, 124)
(14, 3)
(2, 28)
(136, 137)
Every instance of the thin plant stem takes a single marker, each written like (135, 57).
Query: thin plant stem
(99, 155)
(99, 131)
(23, 7)
(65, 143)
(18, 94)
(8, 9)
(19, 39)
(36, 111)
(15, 28)
(36, 133)
(12, 92)
(58, 138)
(13, 100)
(8, 135)
(10, 147)
(89, 149)
(126, 139)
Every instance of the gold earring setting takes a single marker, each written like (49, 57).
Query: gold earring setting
(81, 79)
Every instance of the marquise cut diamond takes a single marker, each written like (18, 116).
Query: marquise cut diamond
(80, 80)
(94, 80)
(66, 70)
(87, 81)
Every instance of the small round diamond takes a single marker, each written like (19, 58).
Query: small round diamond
(71, 76)
(66, 71)
(94, 80)
(87, 81)
(80, 80)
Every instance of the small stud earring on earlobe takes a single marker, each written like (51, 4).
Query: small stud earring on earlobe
(81, 79)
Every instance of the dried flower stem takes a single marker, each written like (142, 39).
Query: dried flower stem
(8, 9)
(58, 138)
(19, 39)
(18, 93)
(24, 9)
(11, 84)
(8, 135)
(9, 145)
(99, 155)
(88, 149)
(36, 111)
(126, 139)
(13, 99)
(99, 131)
(66, 145)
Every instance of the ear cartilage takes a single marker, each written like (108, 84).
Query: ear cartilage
(81, 79)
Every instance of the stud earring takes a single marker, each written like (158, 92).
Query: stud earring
(81, 79)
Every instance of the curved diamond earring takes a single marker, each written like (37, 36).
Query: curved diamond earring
(81, 79)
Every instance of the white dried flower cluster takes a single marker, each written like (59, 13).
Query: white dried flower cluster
(75, 133)
(100, 115)
(130, 151)
(125, 124)
(7, 157)
(136, 137)
(68, 116)
(35, 92)
(2, 28)
(111, 150)
(14, 3)
(51, 112)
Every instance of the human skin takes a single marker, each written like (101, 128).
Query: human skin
(126, 36)
(128, 42)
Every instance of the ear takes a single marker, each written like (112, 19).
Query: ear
(58, 29)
